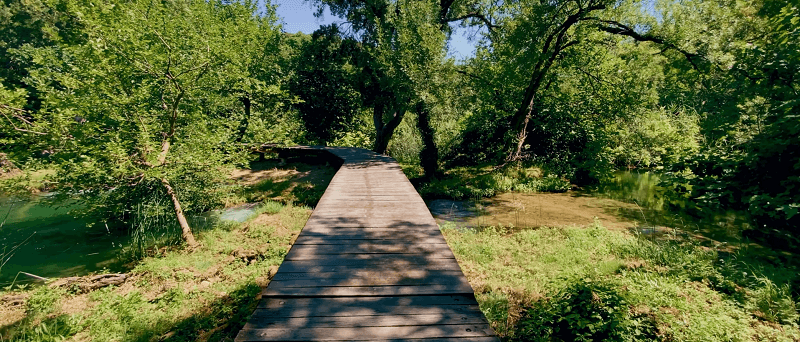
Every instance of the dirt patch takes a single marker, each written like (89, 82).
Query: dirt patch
(318, 173)
(253, 176)
(552, 210)
(12, 308)
(298, 182)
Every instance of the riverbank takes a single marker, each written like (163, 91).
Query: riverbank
(580, 267)
(177, 295)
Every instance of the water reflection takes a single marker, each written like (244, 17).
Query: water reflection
(655, 210)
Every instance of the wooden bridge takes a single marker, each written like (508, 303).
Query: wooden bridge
(369, 265)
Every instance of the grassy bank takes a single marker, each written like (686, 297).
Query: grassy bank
(592, 284)
(178, 295)
(485, 181)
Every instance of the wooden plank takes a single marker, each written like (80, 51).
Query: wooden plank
(361, 204)
(368, 291)
(399, 212)
(298, 253)
(373, 222)
(259, 320)
(410, 232)
(361, 273)
(438, 339)
(312, 239)
(349, 333)
(387, 279)
(379, 260)
(369, 247)
(375, 304)
(293, 267)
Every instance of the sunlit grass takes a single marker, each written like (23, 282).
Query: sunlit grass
(533, 285)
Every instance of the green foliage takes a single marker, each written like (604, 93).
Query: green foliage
(585, 311)
(654, 139)
(56, 329)
(152, 94)
(326, 83)
(43, 301)
(172, 295)
(270, 207)
(472, 183)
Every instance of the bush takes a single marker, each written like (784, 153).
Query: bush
(585, 311)
(468, 183)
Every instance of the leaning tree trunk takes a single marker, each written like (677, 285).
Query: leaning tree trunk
(166, 143)
(186, 231)
(554, 44)
(429, 156)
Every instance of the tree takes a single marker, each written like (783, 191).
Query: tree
(326, 80)
(399, 40)
(145, 106)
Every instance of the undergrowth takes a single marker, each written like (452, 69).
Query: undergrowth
(174, 295)
(592, 284)
(469, 183)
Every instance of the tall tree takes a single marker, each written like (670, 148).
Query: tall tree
(144, 107)
(399, 40)
(326, 80)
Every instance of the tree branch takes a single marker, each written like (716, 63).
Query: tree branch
(618, 28)
(476, 15)
(15, 126)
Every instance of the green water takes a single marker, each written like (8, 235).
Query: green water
(46, 241)
(655, 209)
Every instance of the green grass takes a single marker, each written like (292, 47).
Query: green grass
(177, 295)
(479, 182)
(585, 284)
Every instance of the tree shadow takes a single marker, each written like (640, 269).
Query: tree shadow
(219, 321)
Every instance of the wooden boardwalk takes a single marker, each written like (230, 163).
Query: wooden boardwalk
(369, 265)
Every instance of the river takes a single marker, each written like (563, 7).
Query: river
(46, 241)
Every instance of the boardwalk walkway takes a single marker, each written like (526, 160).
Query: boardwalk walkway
(370, 265)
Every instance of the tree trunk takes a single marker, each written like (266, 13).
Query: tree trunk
(429, 156)
(553, 45)
(246, 120)
(516, 154)
(186, 231)
(384, 131)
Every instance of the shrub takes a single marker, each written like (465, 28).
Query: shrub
(585, 311)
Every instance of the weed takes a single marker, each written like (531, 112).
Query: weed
(587, 310)
(471, 183)
(594, 284)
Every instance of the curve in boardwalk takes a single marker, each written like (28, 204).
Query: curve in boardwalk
(369, 265)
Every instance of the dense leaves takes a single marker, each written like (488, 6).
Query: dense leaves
(128, 98)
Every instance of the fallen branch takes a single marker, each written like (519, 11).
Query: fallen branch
(90, 283)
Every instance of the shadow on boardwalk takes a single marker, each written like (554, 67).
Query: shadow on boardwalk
(370, 264)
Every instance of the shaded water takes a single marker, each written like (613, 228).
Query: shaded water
(46, 241)
(655, 209)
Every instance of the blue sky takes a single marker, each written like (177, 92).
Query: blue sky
(298, 16)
